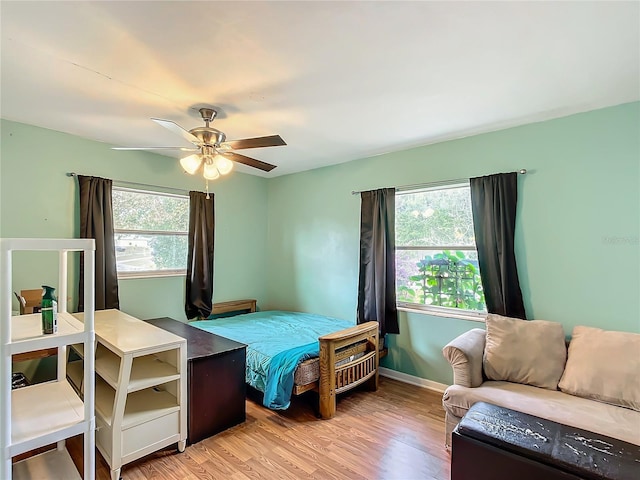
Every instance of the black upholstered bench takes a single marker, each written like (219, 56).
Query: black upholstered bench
(497, 443)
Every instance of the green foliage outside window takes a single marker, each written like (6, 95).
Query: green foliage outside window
(134, 210)
(150, 231)
(446, 279)
(437, 217)
(169, 251)
(436, 260)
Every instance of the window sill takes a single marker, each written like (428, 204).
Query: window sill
(448, 313)
(129, 276)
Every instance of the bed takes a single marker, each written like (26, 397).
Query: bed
(289, 353)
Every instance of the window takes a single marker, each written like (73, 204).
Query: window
(150, 230)
(436, 259)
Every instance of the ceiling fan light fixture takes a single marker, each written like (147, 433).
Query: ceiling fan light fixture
(210, 172)
(215, 154)
(192, 163)
(223, 164)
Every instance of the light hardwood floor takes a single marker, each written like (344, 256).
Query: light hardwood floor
(394, 433)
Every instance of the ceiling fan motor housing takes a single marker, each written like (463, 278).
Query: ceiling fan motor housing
(208, 135)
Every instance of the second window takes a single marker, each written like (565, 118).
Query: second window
(436, 258)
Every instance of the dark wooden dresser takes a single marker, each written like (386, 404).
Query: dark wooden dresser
(216, 379)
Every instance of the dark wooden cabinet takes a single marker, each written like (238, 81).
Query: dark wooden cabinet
(216, 379)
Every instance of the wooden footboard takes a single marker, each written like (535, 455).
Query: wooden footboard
(336, 376)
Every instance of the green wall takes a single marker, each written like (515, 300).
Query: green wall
(577, 237)
(38, 199)
(292, 241)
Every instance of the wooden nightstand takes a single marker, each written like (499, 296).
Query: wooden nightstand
(216, 379)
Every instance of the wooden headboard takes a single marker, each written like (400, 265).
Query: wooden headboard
(234, 306)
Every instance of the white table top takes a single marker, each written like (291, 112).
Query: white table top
(126, 334)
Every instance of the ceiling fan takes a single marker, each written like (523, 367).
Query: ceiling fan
(214, 153)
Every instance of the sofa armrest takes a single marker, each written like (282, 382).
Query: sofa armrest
(464, 353)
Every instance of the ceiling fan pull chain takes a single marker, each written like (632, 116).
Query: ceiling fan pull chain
(207, 186)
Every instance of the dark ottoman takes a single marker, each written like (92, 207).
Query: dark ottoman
(497, 443)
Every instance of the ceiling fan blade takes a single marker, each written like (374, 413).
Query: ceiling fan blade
(269, 141)
(177, 129)
(183, 149)
(252, 162)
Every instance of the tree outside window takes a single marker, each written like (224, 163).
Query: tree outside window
(436, 258)
(151, 232)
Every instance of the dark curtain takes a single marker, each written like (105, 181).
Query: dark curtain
(96, 221)
(493, 203)
(377, 281)
(199, 288)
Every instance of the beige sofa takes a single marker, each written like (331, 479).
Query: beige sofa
(525, 366)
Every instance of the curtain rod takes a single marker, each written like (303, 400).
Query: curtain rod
(522, 171)
(134, 184)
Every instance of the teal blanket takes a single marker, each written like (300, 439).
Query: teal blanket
(277, 342)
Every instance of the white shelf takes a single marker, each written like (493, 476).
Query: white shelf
(146, 371)
(124, 334)
(51, 465)
(146, 405)
(79, 348)
(150, 371)
(75, 374)
(44, 413)
(26, 333)
(105, 397)
(140, 388)
(107, 365)
(48, 244)
(142, 406)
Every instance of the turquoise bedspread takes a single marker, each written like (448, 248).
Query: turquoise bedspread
(277, 342)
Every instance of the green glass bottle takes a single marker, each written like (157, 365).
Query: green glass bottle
(49, 310)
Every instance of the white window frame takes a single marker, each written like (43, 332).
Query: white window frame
(151, 273)
(435, 310)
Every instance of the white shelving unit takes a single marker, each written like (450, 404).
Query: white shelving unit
(141, 388)
(46, 413)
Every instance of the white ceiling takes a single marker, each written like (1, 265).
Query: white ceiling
(337, 80)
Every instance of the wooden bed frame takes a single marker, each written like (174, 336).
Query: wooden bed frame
(339, 372)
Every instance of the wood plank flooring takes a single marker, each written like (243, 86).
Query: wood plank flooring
(394, 433)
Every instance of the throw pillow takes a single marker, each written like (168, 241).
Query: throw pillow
(532, 352)
(604, 366)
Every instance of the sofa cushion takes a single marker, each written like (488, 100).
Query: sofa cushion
(609, 420)
(604, 366)
(532, 352)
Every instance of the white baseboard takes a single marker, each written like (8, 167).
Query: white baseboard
(419, 382)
